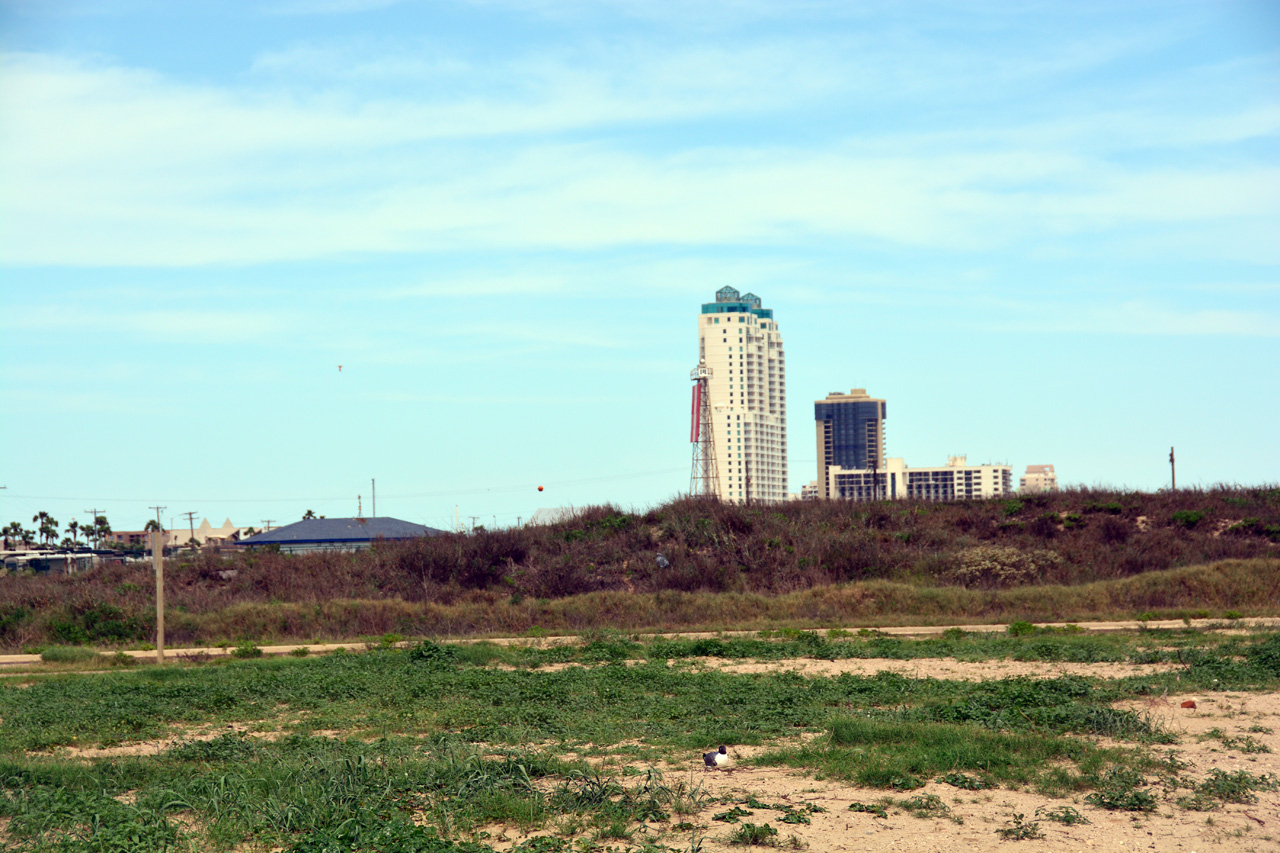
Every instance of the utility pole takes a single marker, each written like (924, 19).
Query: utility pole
(191, 521)
(1173, 471)
(373, 497)
(266, 524)
(473, 522)
(93, 514)
(157, 562)
(159, 527)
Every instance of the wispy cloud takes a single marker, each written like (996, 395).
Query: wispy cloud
(551, 150)
(1142, 317)
(202, 325)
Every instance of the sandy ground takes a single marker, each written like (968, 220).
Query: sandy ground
(1230, 827)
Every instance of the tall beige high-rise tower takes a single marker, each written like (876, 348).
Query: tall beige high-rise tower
(740, 344)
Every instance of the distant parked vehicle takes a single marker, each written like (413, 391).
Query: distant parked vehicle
(55, 562)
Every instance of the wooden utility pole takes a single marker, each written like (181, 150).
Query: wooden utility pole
(93, 513)
(191, 521)
(157, 562)
(1173, 471)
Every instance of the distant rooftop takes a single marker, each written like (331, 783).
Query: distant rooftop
(730, 301)
(341, 530)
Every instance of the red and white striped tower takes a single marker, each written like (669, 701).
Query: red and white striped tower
(704, 480)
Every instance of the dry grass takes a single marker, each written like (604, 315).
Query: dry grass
(1075, 555)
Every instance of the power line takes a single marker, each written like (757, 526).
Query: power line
(518, 487)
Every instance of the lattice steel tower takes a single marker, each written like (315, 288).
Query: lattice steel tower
(704, 481)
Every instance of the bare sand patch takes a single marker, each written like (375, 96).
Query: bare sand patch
(940, 668)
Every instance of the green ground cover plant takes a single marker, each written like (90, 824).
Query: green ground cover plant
(1020, 829)
(438, 743)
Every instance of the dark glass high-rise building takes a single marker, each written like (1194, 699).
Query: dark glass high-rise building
(850, 430)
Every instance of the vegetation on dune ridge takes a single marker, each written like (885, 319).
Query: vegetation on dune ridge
(1075, 554)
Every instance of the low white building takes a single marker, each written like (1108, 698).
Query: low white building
(957, 480)
(204, 534)
(1039, 478)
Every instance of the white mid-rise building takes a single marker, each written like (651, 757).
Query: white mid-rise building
(957, 480)
(1039, 478)
(739, 342)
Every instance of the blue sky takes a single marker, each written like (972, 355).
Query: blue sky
(1044, 232)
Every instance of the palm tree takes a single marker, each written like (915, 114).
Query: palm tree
(16, 534)
(13, 534)
(308, 515)
(48, 525)
(101, 529)
(73, 527)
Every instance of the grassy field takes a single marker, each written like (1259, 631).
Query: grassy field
(440, 747)
(589, 747)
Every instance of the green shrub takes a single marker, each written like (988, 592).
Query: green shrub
(246, 649)
(1120, 790)
(968, 783)
(1062, 814)
(432, 654)
(1188, 518)
(1018, 830)
(1266, 655)
(878, 811)
(749, 834)
(999, 566)
(68, 654)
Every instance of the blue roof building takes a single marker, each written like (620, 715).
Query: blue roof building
(338, 534)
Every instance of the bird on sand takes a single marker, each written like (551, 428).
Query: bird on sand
(718, 760)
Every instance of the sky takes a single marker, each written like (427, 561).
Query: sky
(255, 257)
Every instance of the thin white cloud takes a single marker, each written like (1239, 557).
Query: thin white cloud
(192, 325)
(181, 174)
(1132, 317)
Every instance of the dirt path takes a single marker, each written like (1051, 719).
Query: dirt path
(897, 631)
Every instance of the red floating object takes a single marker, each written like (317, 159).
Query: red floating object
(539, 488)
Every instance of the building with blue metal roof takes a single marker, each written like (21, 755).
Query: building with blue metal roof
(338, 534)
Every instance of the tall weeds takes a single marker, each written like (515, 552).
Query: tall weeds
(972, 559)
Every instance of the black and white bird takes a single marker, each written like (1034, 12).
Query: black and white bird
(718, 760)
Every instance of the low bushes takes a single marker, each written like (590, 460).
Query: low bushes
(922, 560)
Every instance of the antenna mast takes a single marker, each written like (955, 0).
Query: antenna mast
(704, 480)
